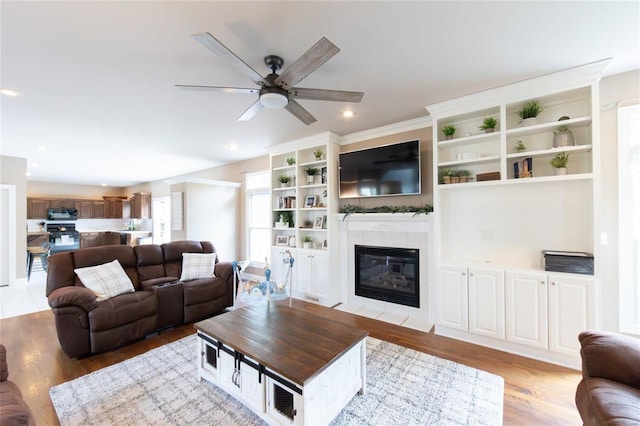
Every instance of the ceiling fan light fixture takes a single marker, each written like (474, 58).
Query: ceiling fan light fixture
(273, 97)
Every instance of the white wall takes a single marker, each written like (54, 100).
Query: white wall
(13, 172)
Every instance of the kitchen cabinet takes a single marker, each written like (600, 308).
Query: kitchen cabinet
(90, 239)
(85, 209)
(116, 208)
(141, 205)
(63, 204)
(37, 208)
(98, 209)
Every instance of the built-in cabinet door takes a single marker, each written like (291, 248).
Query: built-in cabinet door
(486, 302)
(526, 303)
(571, 307)
(98, 209)
(453, 305)
(313, 274)
(85, 209)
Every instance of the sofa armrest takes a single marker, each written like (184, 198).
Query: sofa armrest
(73, 296)
(610, 356)
(4, 368)
(224, 270)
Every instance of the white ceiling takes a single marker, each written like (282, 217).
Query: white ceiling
(98, 78)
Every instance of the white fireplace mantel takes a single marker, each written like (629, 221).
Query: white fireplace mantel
(402, 230)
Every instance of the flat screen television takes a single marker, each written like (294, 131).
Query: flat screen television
(381, 171)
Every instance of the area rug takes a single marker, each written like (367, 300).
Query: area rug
(161, 387)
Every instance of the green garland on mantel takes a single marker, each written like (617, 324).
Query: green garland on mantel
(348, 209)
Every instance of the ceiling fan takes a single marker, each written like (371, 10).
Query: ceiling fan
(277, 90)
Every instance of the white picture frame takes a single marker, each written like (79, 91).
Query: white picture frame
(282, 240)
(310, 201)
(318, 222)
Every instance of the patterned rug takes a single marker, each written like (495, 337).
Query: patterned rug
(161, 387)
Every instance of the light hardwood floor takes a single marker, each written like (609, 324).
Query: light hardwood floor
(535, 393)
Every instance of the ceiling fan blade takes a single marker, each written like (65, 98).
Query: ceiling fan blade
(302, 114)
(317, 55)
(325, 95)
(218, 89)
(213, 44)
(253, 110)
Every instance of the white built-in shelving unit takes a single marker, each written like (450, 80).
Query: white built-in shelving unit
(490, 284)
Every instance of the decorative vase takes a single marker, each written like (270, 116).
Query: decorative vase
(292, 242)
(563, 139)
(531, 121)
(310, 179)
(560, 171)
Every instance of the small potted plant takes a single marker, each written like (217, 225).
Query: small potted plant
(449, 131)
(559, 163)
(463, 175)
(520, 146)
(307, 241)
(42, 224)
(317, 153)
(563, 136)
(307, 224)
(311, 172)
(489, 124)
(445, 176)
(529, 111)
(284, 180)
(291, 161)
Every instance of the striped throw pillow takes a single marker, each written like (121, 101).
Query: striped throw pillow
(106, 280)
(197, 265)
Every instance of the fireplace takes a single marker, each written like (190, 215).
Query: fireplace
(389, 274)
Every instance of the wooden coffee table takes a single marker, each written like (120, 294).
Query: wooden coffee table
(287, 365)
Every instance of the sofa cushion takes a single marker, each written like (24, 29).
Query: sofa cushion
(13, 409)
(123, 309)
(106, 280)
(204, 290)
(197, 266)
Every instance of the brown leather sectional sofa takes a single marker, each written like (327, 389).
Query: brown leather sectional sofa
(86, 326)
(609, 393)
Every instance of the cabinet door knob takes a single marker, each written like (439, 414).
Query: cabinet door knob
(553, 283)
(542, 282)
(471, 274)
(464, 274)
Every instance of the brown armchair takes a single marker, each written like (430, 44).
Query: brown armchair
(13, 409)
(609, 393)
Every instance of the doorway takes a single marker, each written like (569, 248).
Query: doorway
(161, 219)
(7, 234)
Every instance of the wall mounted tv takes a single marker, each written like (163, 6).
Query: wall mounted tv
(384, 170)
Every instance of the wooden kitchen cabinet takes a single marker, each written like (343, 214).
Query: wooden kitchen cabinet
(90, 239)
(37, 208)
(116, 208)
(141, 205)
(63, 204)
(98, 209)
(85, 209)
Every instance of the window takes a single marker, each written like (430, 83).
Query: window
(258, 216)
(629, 217)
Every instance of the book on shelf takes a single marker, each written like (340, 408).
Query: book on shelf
(523, 168)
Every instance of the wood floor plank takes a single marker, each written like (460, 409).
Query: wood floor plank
(535, 392)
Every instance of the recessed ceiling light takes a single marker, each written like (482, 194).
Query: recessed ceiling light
(42, 148)
(9, 92)
(34, 165)
(28, 174)
(104, 184)
(348, 114)
(232, 146)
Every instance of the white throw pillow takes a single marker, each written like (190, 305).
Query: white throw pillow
(197, 265)
(106, 280)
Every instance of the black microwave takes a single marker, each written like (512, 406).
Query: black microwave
(62, 214)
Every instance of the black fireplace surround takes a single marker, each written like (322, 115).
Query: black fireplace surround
(389, 274)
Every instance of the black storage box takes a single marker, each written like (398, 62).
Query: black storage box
(574, 262)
